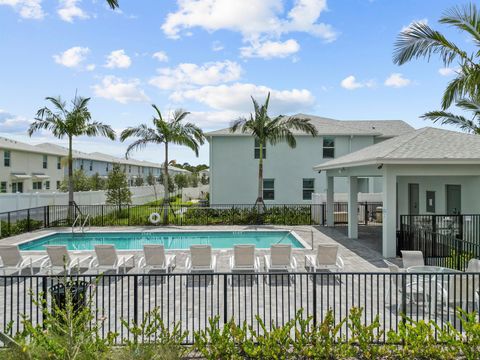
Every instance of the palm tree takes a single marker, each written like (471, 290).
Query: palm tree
(172, 131)
(446, 118)
(276, 130)
(420, 41)
(70, 123)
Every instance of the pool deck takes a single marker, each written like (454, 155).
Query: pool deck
(359, 256)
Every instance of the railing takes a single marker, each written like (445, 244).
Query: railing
(445, 240)
(368, 213)
(275, 298)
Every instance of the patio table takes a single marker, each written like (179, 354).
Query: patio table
(431, 269)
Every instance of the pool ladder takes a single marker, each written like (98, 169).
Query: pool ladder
(78, 221)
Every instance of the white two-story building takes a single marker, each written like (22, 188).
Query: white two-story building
(288, 174)
(42, 168)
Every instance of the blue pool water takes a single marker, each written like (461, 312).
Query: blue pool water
(171, 240)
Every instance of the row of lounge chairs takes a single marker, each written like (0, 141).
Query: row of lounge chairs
(201, 259)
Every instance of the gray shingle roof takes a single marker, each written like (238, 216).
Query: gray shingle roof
(10, 144)
(326, 126)
(419, 146)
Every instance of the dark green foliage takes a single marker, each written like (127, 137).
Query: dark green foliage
(118, 192)
(19, 227)
(81, 182)
(97, 182)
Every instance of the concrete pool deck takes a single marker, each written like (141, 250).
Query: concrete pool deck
(358, 256)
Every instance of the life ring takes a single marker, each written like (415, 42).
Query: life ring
(154, 218)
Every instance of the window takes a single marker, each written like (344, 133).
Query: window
(308, 188)
(47, 185)
(269, 189)
(6, 158)
(58, 184)
(129, 168)
(106, 168)
(45, 161)
(328, 148)
(17, 187)
(257, 150)
(81, 165)
(37, 185)
(91, 165)
(59, 162)
(3, 187)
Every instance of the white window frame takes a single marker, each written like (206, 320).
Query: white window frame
(328, 147)
(269, 189)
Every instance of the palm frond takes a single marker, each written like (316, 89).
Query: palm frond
(113, 4)
(447, 118)
(96, 128)
(465, 18)
(139, 145)
(420, 41)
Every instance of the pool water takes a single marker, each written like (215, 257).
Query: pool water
(171, 240)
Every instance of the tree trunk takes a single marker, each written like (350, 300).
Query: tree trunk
(259, 202)
(70, 171)
(166, 195)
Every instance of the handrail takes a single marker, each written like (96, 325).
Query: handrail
(78, 218)
(89, 223)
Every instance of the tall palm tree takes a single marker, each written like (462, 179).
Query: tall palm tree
(469, 125)
(265, 129)
(69, 123)
(166, 132)
(420, 41)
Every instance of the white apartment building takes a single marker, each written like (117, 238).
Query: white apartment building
(41, 168)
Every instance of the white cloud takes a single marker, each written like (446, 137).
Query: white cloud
(160, 56)
(73, 57)
(210, 120)
(69, 10)
(270, 49)
(123, 91)
(252, 18)
(27, 9)
(421, 21)
(236, 97)
(217, 46)
(397, 80)
(90, 67)
(351, 83)
(187, 74)
(10, 123)
(118, 59)
(446, 71)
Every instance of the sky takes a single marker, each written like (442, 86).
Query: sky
(330, 58)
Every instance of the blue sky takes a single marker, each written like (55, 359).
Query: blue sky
(328, 58)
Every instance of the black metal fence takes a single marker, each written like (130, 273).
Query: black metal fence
(445, 240)
(191, 299)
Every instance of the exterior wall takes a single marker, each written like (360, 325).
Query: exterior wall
(29, 163)
(470, 200)
(234, 170)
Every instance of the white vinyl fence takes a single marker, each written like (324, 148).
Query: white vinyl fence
(321, 198)
(140, 195)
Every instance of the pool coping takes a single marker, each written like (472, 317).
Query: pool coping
(303, 243)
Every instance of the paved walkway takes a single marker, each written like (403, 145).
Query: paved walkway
(358, 255)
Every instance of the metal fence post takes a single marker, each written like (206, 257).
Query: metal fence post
(135, 299)
(44, 295)
(28, 220)
(102, 207)
(128, 214)
(314, 300)
(225, 299)
(365, 213)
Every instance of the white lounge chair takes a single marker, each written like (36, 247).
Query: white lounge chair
(473, 266)
(154, 258)
(244, 259)
(412, 258)
(326, 258)
(106, 258)
(201, 259)
(280, 258)
(59, 259)
(13, 260)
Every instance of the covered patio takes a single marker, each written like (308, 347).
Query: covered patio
(427, 171)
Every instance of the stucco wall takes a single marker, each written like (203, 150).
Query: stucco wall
(470, 186)
(234, 170)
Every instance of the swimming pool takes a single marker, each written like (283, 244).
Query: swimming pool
(171, 240)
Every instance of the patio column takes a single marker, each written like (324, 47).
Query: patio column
(389, 221)
(330, 192)
(352, 182)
